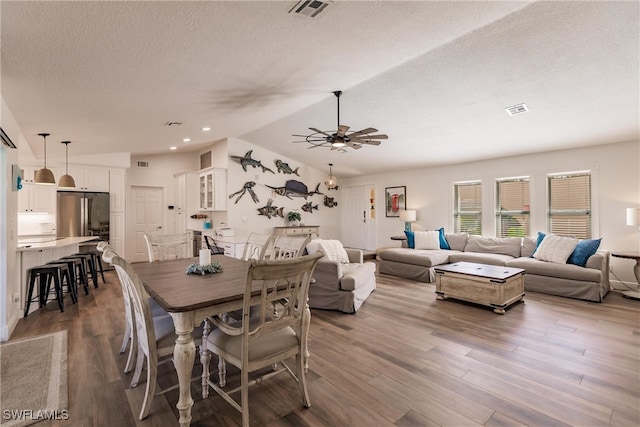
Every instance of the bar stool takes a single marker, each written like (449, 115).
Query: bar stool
(73, 273)
(90, 266)
(44, 274)
(97, 261)
(80, 272)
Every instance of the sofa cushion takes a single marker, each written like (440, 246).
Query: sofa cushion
(583, 251)
(529, 246)
(427, 240)
(353, 275)
(411, 242)
(564, 271)
(422, 257)
(457, 241)
(480, 258)
(495, 245)
(556, 249)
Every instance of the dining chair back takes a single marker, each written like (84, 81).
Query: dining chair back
(213, 247)
(155, 335)
(258, 246)
(162, 247)
(289, 246)
(261, 340)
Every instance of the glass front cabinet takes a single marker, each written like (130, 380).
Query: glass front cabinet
(213, 185)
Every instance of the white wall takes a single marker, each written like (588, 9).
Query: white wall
(243, 217)
(9, 262)
(616, 186)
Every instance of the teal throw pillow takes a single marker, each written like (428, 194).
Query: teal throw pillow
(443, 240)
(583, 251)
(411, 241)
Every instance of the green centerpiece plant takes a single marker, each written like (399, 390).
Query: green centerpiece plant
(294, 218)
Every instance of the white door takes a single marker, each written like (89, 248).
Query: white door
(355, 218)
(147, 217)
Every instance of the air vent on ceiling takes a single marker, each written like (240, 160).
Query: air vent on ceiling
(143, 164)
(517, 109)
(173, 124)
(309, 8)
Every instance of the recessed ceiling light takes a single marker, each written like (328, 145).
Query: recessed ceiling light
(186, 140)
(206, 129)
(173, 148)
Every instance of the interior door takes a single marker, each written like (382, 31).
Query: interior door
(354, 231)
(147, 213)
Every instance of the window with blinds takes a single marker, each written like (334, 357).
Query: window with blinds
(569, 210)
(512, 207)
(467, 210)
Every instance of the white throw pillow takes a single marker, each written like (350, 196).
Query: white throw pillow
(427, 239)
(555, 249)
(333, 250)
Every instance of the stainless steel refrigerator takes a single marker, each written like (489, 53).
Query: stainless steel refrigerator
(83, 214)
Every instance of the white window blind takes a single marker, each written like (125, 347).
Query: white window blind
(569, 208)
(512, 207)
(467, 215)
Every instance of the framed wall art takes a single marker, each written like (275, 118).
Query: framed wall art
(395, 200)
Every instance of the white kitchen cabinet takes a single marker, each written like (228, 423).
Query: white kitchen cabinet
(213, 190)
(186, 199)
(90, 178)
(37, 198)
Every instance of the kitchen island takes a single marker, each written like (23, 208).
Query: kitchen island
(35, 251)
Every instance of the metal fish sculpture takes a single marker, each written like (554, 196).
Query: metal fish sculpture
(293, 188)
(309, 207)
(269, 210)
(246, 160)
(330, 202)
(285, 168)
(248, 186)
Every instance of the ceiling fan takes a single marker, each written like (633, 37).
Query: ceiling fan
(342, 137)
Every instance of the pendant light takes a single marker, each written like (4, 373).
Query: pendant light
(66, 180)
(331, 181)
(44, 175)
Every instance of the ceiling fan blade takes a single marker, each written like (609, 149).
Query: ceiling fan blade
(342, 129)
(370, 142)
(368, 137)
(363, 132)
(354, 146)
(320, 131)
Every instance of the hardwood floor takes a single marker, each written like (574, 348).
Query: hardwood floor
(405, 359)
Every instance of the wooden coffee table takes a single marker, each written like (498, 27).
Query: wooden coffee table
(490, 285)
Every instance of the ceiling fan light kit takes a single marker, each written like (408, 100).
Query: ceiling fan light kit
(342, 137)
(44, 175)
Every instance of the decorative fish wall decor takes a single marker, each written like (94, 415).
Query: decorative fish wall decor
(248, 186)
(309, 207)
(293, 188)
(285, 168)
(246, 160)
(269, 210)
(329, 202)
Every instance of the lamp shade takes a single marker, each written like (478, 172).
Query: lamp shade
(408, 215)
(44, 175)
(633, 216)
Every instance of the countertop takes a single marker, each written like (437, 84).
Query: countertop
(24, 245)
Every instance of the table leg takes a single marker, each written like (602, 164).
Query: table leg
(184, 355)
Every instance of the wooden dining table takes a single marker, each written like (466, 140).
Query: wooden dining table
(189, 299)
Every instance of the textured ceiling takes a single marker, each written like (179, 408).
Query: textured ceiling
(434, 76)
